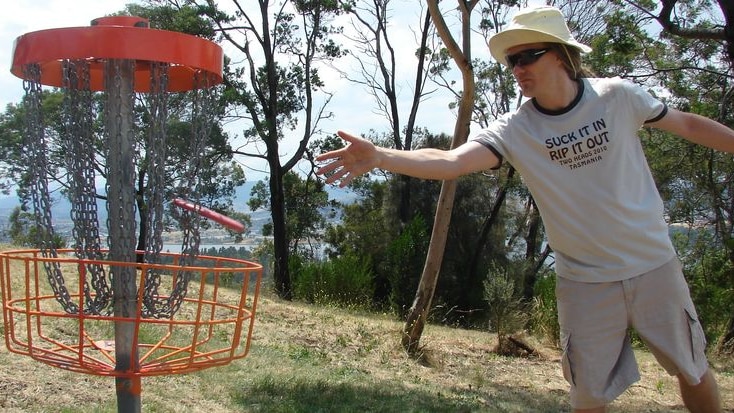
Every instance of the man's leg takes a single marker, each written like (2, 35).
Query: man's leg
(666, 320)
(703, 397)
(598, 361)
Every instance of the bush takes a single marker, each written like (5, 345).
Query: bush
(544, 310)
(506, 312)
(406, 256)
(709, 273)
(344, 281)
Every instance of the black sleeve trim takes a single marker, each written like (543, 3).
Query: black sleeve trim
(495, 152)
(660, 116)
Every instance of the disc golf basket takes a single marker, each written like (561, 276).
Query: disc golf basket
(121, 310)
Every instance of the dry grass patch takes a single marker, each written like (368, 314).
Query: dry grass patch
(306, 358)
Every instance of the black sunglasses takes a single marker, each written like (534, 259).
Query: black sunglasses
(526, 57)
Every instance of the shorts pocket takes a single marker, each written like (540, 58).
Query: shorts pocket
(565, 358)
(698, 338)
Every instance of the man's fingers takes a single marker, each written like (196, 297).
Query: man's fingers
(337, 175)
(337, 153)
(336, 169)
(329, 167)
(330, 155)
(344, 178)
(347, 136)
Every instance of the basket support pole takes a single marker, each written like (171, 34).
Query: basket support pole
(122, 227)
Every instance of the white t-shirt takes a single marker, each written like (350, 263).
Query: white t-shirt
(589, 177)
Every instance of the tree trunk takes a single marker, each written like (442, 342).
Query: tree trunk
(462, 56)
(533, 241)
(427, 286)
(281, 274)
(492, 219)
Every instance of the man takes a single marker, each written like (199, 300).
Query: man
(575, 143)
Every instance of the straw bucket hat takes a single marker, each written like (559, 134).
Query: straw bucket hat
(543, 24)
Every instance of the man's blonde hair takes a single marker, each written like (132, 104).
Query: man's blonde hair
(571, 58)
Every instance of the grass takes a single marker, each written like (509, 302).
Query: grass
(319, 359)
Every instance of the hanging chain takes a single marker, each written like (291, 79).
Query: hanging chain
(120, 185)
(190, 188)
(80, 159)
(155, 152)
(202, 118)
(36, 150)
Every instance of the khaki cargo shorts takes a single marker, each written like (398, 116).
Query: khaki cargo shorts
(598, 360)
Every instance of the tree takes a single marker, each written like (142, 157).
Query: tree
(11, 136)
(462, 57)
(305, 201)
(24, 232)
(274, 90)
(681, 18)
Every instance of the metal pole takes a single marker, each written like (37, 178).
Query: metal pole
(119, 79)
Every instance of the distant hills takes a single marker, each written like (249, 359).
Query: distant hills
(61, 208)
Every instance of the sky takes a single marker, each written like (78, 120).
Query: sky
(25, 16)
(354, 109)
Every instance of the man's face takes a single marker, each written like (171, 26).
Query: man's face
(530, 64)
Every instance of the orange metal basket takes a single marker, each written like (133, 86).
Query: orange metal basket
(212, 327)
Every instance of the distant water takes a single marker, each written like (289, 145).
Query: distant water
(176, 248)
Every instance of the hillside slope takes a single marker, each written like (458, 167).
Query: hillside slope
(308, 359)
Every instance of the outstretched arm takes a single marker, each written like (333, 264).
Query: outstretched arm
(361, 156)
(697, 129)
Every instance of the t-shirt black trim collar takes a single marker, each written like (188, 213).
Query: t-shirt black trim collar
(568, 108)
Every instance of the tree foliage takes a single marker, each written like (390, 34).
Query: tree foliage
(274, 88)
(24, 232)
(307, 208)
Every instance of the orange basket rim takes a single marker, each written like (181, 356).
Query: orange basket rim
(26, 321)
(33, 255)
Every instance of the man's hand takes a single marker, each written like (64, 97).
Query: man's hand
(358, 157)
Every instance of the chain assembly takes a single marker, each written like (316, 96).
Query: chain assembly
(130, 162)
(81, 155)
(35, 156)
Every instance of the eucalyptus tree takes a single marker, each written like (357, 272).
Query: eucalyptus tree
(692, 19)
(275, 90)
(11, 139)
(461, 54)
(305, 201)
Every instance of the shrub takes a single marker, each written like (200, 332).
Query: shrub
(343, 281)
(544, 310)
(404, 263)
(506, 312)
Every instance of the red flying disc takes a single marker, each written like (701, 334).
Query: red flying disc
(224, 220)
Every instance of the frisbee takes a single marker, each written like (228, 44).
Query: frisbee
(223, 220)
